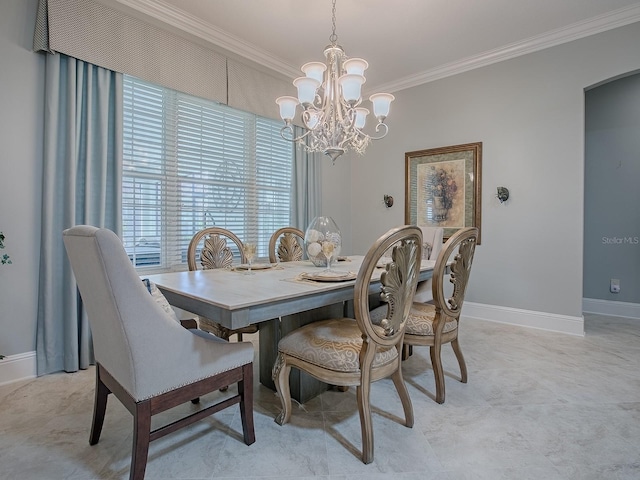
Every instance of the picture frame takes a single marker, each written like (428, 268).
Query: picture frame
(443, 187)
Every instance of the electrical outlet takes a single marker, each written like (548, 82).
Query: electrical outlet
(615, 285)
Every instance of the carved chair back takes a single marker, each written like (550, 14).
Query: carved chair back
(462, 245)
(215, 252)
(398, 281)
(289, 246)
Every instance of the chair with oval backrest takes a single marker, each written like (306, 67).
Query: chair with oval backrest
(436, 324)
(143, 356)
(216, 253)
(355, 352)
(432, 240)
(286, 245)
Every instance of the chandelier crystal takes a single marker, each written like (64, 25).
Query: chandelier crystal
(330, 96)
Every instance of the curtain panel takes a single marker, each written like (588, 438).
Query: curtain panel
(89, 47)
(306, 187)
(82, 177)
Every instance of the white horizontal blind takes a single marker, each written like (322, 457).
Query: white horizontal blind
(191, 163)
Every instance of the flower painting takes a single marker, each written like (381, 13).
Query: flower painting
(443, 187)
(441, 199)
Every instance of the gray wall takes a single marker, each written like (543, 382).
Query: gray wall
(612, 194)
(529, 114)
(21, 110)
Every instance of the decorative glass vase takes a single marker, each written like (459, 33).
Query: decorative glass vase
(321, 230)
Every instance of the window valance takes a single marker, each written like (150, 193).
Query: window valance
(104, 36)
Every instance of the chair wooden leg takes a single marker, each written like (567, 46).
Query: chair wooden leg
(463, 366)
(401, 387)
(245, 389)
(99, 408)
(141, 439)
(438, 372)
(407, 351)
(225, 333)
(239, 336)
(281, 372)
(366, 424)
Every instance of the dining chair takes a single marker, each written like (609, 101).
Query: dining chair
(143, 356)
(285, 245)
(437, 324)
(353, 351)
(216, 253)
(432, 241)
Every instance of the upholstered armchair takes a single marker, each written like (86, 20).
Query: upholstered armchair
(143, 355)
(432, 240)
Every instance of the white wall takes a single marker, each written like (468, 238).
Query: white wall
(21, 110)
(529, 114)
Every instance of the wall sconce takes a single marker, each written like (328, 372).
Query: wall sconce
(503, 194)
(388, 201)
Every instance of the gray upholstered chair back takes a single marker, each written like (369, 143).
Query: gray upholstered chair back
(137, 342)
(433, 238)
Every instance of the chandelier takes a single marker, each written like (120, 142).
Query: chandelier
(330, 96)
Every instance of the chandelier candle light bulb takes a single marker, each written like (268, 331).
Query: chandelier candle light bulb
(331, 96)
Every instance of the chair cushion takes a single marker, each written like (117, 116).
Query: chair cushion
(160, 299)
(420, 321)
(332, 344)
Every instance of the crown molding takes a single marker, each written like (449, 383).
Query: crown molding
(592, 26)
(181, 20)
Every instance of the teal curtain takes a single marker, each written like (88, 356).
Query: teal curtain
(306, 198)
(82, 178)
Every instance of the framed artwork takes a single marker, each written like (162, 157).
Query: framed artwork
(443, 187)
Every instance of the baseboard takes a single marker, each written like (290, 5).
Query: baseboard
(18, 367)
(525, 318)
(609, 307)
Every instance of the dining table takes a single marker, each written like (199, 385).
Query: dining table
(279, 297)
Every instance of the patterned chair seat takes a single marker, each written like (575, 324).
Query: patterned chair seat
(333, 344)
(420, 321)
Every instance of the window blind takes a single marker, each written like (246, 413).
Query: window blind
(190, 163)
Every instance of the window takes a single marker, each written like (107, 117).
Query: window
(191, 163)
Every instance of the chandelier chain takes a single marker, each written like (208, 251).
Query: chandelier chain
(333, 38)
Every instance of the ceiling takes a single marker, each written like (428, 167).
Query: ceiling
(406, 42)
